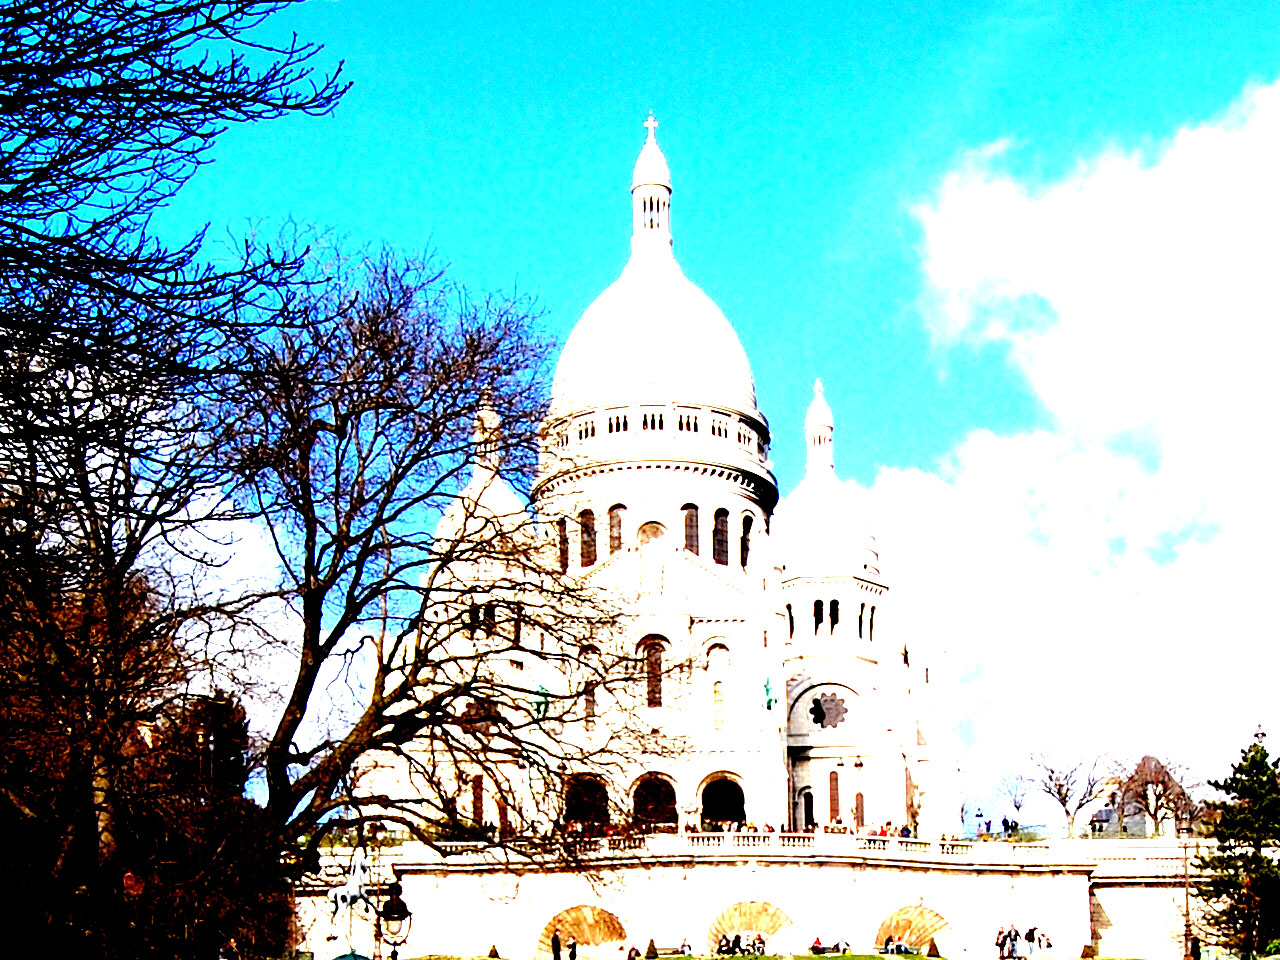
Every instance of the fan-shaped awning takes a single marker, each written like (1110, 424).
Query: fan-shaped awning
(915, 925)
(589, 925)
(747, 918)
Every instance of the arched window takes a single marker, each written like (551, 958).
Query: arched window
(871, 625)
(586, 800)
(834, 786)
(720, 538)
(817, 615)
(744, 545)
(835, 614)
(654, 806)
(490, 619)
(651, 648)
(615, 527)
(473, 619)
(791, 622)
(587, 522)
(650, 531)
(862, 612)
(517, 620)
(690, 527)
(859, 812)
(562, 527)
(723, 802)
(589, 703)
(717, 704)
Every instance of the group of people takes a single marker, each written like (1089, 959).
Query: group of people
(888, 830)
(735, 947)
(1013, 944)
(571, 944)
(728, 826)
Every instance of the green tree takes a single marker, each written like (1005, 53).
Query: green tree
(1240, 888)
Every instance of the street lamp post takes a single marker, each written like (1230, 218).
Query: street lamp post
(393, 920)
(1184, 830)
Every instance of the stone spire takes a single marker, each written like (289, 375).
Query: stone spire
(651, 195)
(819, 426)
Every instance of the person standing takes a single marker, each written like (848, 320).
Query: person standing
(1001, 944)
(573, 948)
(555, 944)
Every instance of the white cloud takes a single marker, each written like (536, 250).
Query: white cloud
(1107, 586)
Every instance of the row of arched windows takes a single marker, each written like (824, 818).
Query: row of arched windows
(587, 536)
(719, 535)
(866, 618)
(653, 209)
(620, 423)
(587, 553)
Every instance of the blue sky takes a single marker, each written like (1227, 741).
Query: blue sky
(893, 197)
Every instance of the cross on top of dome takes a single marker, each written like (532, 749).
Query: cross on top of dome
(651, 125)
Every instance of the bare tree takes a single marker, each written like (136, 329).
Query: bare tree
(1014, 789)
(433, 679)
(1072, 786)
(106, 109)
(1154, 790)
(107, 493)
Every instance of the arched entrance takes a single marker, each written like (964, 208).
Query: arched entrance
(586, 800)
(746, 920)
(597, 931)
(804, 809)
(722, 802)
(921, 929)
(654, 804)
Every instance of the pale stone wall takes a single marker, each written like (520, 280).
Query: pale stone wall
(1130, 894)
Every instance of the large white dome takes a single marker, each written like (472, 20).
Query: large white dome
(653, 337)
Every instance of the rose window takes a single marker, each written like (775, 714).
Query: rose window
(827, 710)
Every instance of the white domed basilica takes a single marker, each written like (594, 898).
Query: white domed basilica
(778, 689)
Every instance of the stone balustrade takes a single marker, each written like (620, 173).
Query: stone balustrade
(1106, 859)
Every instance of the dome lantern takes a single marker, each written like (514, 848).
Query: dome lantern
(651, 195)
(819, 428)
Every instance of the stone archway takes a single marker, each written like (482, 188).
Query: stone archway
(586, 800)
(599, 933)
(921, 929)
(747, 919)
(722, 801)
(654, 804)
